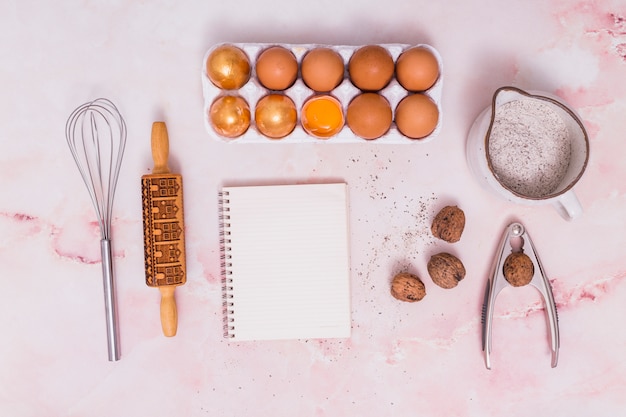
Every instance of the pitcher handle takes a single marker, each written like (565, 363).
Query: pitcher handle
(568, 206)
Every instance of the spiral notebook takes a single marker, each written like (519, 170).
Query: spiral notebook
(285, 261)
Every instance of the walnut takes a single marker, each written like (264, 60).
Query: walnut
(446, 270)
(518, 269)
(407, 287)
(448, 224)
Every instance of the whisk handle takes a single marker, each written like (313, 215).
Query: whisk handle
(109, 300)
(160, 148)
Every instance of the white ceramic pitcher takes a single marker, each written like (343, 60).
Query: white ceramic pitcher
(563, 197)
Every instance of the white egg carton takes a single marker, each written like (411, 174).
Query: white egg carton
(253, 91)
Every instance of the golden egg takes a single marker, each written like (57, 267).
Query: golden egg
(275, 116)
(230, 116)
(417, 69)
(228, 67)
(417, 116)
(369, 115)
(371, 68)
(322, 116)
(322, 69)
(277, 68)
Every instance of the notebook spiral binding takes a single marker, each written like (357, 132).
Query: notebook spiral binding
(225, 265)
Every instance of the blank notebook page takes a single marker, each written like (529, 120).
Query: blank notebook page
(286, 267)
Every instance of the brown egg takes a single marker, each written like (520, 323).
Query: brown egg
(228, 67)
(275, 116)
(371, 68)
(416, 116)
(277, 68)
(322, 116)
(417, 69)
(369, 115)
(322, 69)
(230, 116)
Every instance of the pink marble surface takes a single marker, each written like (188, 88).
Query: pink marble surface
(402, 359)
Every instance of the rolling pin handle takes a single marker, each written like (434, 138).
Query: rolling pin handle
(169, 314)
(160, 148)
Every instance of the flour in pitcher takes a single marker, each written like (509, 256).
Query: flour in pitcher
(529, 147)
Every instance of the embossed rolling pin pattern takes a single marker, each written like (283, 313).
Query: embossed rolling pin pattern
(163, 228)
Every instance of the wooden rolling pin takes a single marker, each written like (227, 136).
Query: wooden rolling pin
(163, 229)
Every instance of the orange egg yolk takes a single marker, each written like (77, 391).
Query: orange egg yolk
(322, 117)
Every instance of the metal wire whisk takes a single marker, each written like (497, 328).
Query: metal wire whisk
(96, 136)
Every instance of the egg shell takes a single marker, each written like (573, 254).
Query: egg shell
(369, 115)
(299, 92)
(229, 115)
(276, 68)
(275, 116)
(322, 116)
(416, 116)
(228, 67)
(322, 69)
(371, 68)
(417, 69)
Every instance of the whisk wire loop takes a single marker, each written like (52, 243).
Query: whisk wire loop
(96, 135)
